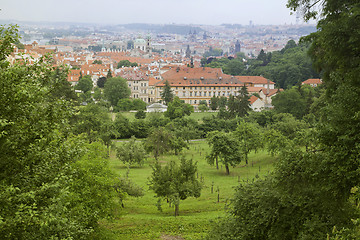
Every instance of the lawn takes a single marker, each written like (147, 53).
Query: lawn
(140, 218)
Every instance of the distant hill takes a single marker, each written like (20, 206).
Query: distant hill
(159, 28)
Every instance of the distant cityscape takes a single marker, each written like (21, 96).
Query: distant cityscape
(159, 53)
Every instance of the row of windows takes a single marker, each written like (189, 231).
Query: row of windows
(206, 88)
(200, 94)
(196, 102)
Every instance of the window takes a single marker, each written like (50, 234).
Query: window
(183, 94)
(204, 94)
(183, 88)
(195, 94)
(194, 101)
(200, 94)
(190, 94)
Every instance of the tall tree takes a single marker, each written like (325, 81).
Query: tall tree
(167, 94)
(116, 89)
(313, 188)
(48, 178)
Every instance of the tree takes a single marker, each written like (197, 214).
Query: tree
(61, 88)
(109, 74)
(101, 82)
(85, 84)
(312, 188)
(224, 147)
(140, 114)
(158, 142)
(131, 152)
(214, 103)
(97, 94)
(126, 63)
(138, 104)
(250, 138)
(97, 62)
(116, 89)
(167, 94)
(241, 105)
(125, 104)
(175, 182)
(122, 126)
(290, 101)
(94, 121)
(48, 177)
(178, 109)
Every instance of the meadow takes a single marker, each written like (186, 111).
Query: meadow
(140, 218)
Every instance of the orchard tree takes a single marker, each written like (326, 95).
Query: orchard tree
(158, 142)
(250, 138)
(131, 152)
(167, 94)
(174, 182)
(115, 89)
(224, 148)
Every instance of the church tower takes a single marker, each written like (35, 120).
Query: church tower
(237, 47)
(148, 45)
(188, 52)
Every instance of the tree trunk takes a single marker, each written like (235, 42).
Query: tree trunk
(227, 169)
(217, 163)
(176, 210)
(246, 158)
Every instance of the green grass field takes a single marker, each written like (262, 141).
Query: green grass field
(140, 218)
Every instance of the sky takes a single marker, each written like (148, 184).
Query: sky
(210, 12)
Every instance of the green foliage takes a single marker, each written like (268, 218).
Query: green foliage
(85, 84)
(158, 142)
(290, 101)
(174, 182)
(126, 63)
(250, 138)
(116, 89)
(178, 109)
(53, 185)
(140, 114)
(94, 121)
(122, 126)
(97, 62)
(239, 106)
(224, 147)
(215, 52)
(101, 82)
(167, 94)
(131, 152)
(310, 193)
(126, 104)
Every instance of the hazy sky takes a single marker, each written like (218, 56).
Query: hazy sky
(149, 11)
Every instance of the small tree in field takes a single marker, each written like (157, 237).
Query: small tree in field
(131, 152)
(158, 142)
(175, 182)
(224, 147)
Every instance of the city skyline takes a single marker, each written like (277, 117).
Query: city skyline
(210, 12)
